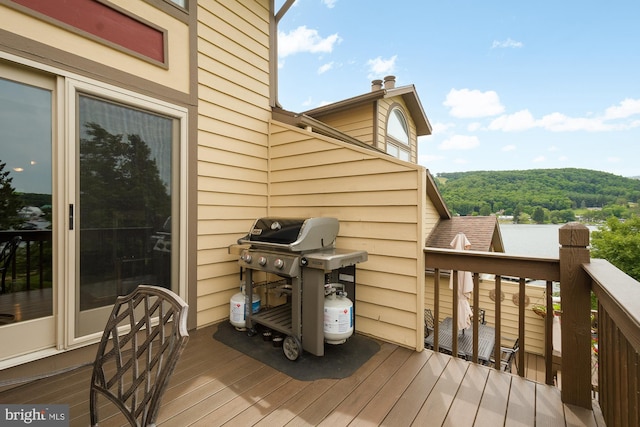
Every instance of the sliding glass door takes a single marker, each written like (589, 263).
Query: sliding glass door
(27, 285)
(123, 215)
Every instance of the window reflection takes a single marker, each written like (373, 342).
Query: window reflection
(125, 200)
(25, 202)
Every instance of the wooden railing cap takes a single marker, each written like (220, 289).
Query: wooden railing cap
(574, 234)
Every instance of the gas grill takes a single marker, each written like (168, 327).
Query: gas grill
(302, 252)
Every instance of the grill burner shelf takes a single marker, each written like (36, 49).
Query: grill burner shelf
(277, 318)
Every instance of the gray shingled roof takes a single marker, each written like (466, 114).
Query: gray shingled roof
(482, 231)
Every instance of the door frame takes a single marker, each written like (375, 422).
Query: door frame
(61, 330)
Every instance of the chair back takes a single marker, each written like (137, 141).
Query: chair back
(141, 344)
(481, 315)
(6, 256)
(510, 355)
(429, 322)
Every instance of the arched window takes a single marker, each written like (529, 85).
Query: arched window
(398, 135)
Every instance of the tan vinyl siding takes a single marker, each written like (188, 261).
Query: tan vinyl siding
(431, 217)
(233, 88)
(384, 105)
(379, 202)
(356, 122)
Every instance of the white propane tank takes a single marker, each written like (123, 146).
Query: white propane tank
(338, 317)
(236, 309)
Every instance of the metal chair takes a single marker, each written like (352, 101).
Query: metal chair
(141, 344)
(429, 322)
(508, 356)
(481, 314)
(6, 256)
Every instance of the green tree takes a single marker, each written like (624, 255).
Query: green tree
(538, 215)
(120, 182)
(9, 201)
(619, 243)
(516, 214)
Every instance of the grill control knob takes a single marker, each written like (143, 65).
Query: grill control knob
(246, 257)
(278, 263)
(262, 260)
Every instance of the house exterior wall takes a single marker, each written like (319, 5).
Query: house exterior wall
(22, 21)
(357, 122)
(380, 203)
(243, 166)
(31, 40)
(233, 117)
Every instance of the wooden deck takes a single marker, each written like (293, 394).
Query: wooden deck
(215, 385)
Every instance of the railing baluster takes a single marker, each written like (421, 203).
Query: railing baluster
(28, 277)
(548, 334)
(498, 321)
(454, 326)
(476, 314)
(436, 310)
(40, 263)
(521, 325)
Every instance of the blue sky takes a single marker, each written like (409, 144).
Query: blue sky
(505, 84)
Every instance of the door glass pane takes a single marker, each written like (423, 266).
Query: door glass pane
(25, 202)
(124, 208)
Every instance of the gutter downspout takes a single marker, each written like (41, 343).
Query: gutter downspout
(273, 50)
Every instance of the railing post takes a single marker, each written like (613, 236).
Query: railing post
(576, 308)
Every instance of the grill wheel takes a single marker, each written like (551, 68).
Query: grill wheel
(291, 348)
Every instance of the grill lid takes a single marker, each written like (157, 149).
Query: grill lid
(293, 234)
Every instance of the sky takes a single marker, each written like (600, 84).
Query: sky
(506, 85)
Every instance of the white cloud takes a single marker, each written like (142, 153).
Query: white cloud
(381, 67)
(324, 68)
(304, 39)
(522, 120)
(613, 159)
(508, 43)
(465, 103)
(475, 126)
(627, 108)
(539, 159)
(553, 148)
(439, 128)
(330, 3)
(510, 147)
(558, 122)
(460, 142)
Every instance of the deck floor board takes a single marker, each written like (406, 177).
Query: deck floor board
(216, 385)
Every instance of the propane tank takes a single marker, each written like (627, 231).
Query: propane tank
(236, 308)
(338, 315)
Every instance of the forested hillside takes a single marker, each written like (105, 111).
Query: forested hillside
(547, 195)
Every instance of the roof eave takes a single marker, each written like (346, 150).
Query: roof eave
(307, 122)
(435, 196)
(346, 104)
(408, 94)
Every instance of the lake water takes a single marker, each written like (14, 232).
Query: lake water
(539, 240)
